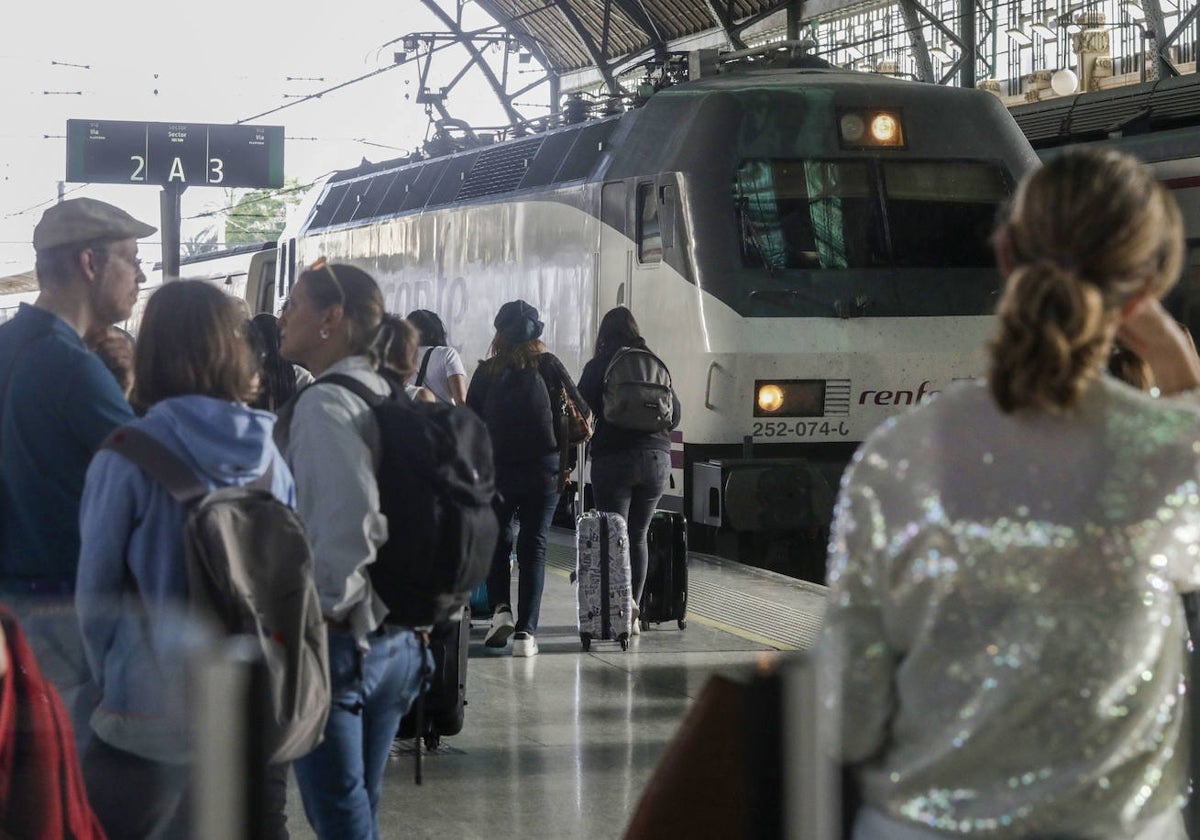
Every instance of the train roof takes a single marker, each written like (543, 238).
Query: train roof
(618, 145)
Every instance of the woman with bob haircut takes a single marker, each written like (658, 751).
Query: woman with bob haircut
(1005, 631)
(333, 323)
(194, 370)
(511, 390)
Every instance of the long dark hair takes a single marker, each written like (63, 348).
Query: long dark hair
(278, 377)
(429, 325)
(618, 328)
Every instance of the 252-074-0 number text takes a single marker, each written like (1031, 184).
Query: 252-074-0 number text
(799, 428)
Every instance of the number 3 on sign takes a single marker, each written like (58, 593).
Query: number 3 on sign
(216, 173)
(139, 169)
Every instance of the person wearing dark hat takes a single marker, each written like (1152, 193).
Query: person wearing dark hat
(57, 404)
(511, 390)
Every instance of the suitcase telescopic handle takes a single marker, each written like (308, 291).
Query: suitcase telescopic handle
(580, 464)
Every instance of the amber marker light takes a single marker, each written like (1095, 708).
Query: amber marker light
(770, 398)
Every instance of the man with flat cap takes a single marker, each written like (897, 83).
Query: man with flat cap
(57, 404)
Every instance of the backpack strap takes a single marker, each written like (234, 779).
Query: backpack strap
(424, 367)
(164, 466)
(354, 386)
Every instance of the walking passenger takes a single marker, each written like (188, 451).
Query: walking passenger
(57, 404)
(439, 367)
(1005, 628)
(333, 324)
(194, 371)
(630, 468)
(510, 392)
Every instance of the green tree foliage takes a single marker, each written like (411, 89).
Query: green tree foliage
(259, 215)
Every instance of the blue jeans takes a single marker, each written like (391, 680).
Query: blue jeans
(529, 490)
(341, 780)
(631, 483)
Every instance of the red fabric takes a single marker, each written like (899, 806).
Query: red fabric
(41, 786)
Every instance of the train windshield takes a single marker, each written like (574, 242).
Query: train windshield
(863, 214)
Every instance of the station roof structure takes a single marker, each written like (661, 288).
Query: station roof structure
(576, 35)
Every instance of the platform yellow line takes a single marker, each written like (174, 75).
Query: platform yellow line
(710, 622)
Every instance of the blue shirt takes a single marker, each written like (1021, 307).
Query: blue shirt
(57, 404)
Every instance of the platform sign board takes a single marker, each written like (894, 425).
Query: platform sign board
(174, 154)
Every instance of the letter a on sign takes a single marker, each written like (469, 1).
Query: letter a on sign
(177, 171)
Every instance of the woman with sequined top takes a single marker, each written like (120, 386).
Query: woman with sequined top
(1005, 635)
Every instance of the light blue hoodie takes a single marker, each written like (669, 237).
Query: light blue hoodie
(131, 591)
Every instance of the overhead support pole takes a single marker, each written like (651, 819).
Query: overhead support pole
(968, 39)
(595, 52)
(464, 38)
(920, 47)
(634, 10)
(793, 20)
(725, 19)
(1160, 52)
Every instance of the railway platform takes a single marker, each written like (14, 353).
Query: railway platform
(562, 744)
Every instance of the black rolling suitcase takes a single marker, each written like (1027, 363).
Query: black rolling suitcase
(665, 593)
(439, 710)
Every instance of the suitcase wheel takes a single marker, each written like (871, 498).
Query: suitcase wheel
(586, 641)
(624, 644)
(682, 623)
(644, 623)
(432, 740)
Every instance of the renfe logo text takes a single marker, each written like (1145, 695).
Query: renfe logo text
(896, 397)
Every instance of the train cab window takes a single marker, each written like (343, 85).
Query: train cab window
(649, 232)
(941, 213)
(805, 214)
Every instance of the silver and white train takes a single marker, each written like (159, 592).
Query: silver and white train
(806, 249)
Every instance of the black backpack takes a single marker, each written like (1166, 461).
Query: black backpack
(436, 483)
(249, 570)
(637, 391)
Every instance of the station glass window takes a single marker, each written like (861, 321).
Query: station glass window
(649, 231)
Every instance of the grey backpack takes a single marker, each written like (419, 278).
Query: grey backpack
(249, 568)
(637, 391)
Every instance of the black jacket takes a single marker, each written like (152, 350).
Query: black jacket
(609, 439)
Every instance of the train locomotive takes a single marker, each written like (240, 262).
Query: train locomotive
(807, 249)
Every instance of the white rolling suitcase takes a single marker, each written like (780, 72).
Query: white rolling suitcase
(603, 577)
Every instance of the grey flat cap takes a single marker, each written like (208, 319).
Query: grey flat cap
(78, 220)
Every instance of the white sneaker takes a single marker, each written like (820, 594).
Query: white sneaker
(635, 628)
(524, 644)
(501, 628)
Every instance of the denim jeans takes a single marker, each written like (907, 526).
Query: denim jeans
(341, 780)
(631, 483)
(529, 490)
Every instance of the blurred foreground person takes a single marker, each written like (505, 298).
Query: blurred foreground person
(1005, 628)
(41, 788)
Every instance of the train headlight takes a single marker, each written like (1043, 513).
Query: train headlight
(852, 126)
(789, 398)
(871, 129)
(885, 129)
(770, 398)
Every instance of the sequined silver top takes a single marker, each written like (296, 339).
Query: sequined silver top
(1004, 627)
